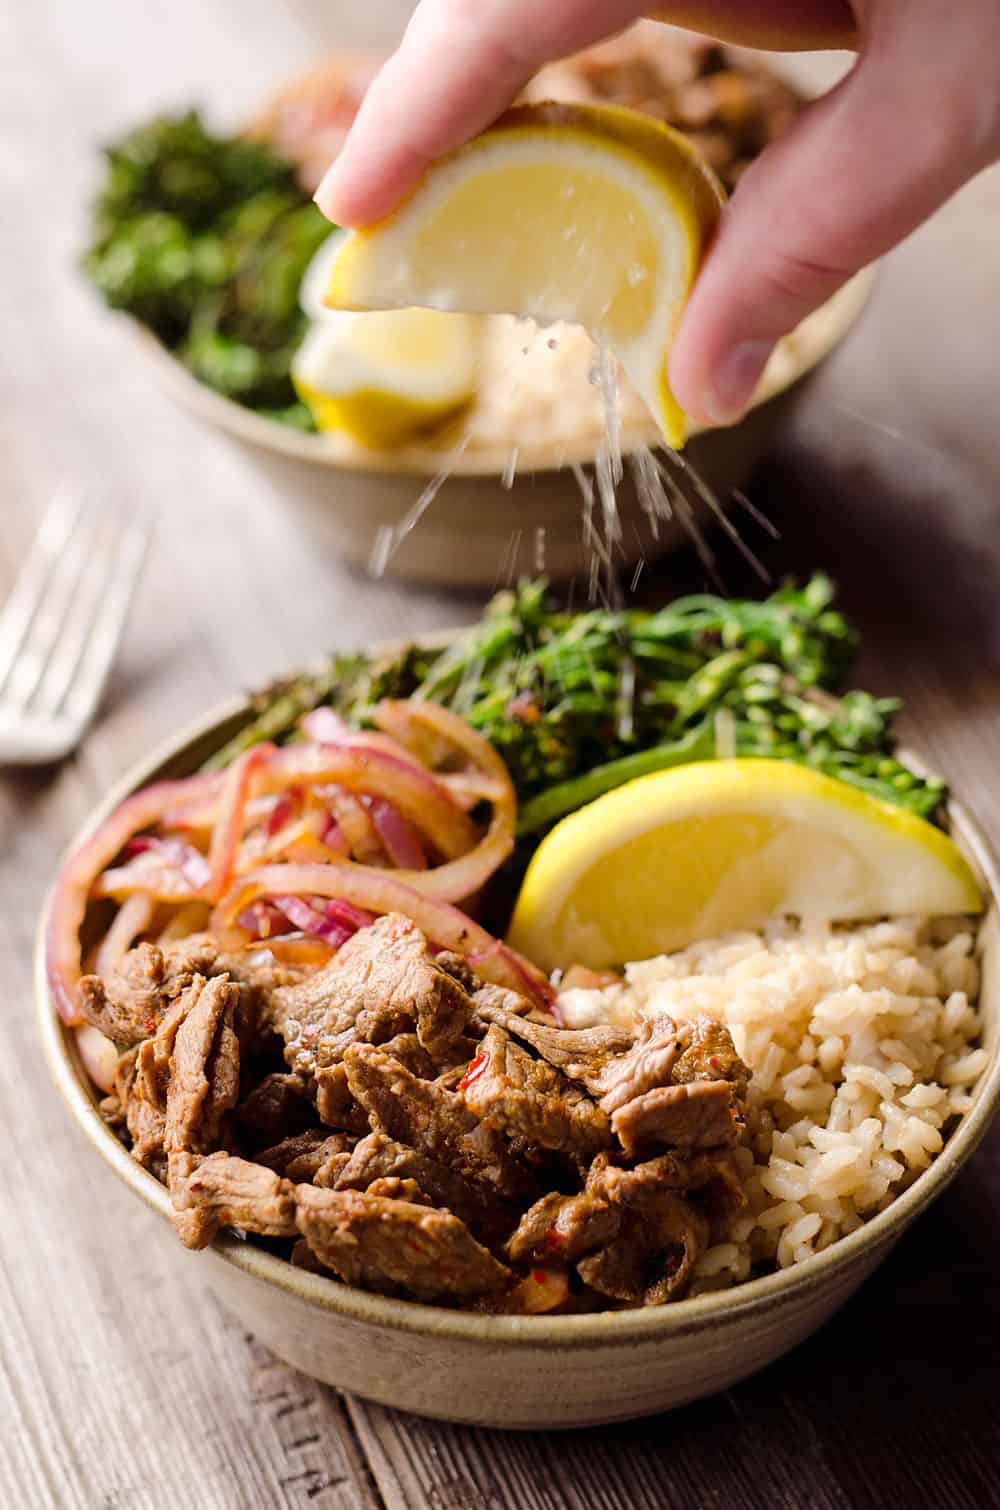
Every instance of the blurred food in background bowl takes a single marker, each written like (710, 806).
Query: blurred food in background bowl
(207, 242)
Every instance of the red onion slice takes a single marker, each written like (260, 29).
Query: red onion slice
(380, 891)
(76, 879)
(401, 840)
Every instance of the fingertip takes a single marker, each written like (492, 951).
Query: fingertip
(330, 200)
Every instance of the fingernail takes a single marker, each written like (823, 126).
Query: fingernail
(736, 377)
(326, 195)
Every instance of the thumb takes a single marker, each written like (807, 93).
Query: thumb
(859, 170)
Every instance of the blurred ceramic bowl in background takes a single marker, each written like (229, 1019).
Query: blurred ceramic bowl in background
(517, 462)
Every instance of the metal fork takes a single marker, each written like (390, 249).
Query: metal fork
(61, 626)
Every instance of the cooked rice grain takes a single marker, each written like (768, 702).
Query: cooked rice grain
(862, 1045)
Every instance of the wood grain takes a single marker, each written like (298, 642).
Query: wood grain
(121, 1385)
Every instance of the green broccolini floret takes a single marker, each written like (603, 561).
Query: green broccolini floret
(205, 239)
(579, 703)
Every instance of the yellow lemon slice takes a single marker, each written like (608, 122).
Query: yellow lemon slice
(386, 379)
(729, 844)
(594, 215)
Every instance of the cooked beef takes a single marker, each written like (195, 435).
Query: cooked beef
(335, 1103)
(143, 1078)
(637, 1079)
(221, 1190)
(462, 1132)
(563, 1228)
(708, 1054)
(649, 1062)
(381, 983)
(652, 1257)
(435, 1121)
(701, 1114)
(581, 1053)
(459, 969)
(391, 1189)
(527, 1099)
(204, 1066)
(276, 1107)
(498, 1000)
(378, 1157)
(397, 1246)
(660, 1239)
(303, 1157)
(129, 1004)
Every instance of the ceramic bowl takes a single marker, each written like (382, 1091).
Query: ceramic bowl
(527, 1372)
(480, 531)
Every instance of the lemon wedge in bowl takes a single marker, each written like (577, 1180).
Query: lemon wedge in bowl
(386, 379)
(595, 215)
(723, 845)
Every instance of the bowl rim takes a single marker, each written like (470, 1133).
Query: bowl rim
(811, 343)
(593, 1331)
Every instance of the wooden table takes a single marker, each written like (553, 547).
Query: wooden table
(122, 1386)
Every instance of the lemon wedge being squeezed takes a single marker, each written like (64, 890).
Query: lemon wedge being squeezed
(594, 215)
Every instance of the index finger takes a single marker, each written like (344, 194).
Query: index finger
(462, 62)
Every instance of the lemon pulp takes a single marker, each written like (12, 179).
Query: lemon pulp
(727, 845)
(594, 215)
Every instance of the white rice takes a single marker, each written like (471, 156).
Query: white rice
(862, 1045)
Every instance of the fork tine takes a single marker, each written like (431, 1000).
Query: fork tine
(53, 613)
(78, 624)
(49, 543)
(85, 689)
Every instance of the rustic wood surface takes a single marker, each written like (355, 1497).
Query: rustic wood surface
(122, 1386)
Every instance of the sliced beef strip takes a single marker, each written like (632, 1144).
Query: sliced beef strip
(647, 1064)
(708, 1053)
(424, 1116)
(581, 1053)
(397, 1246)
(142, 1079)
(222, 1190)
(129, 1004)
(526, 1098)
(204, 1067)
(652, 1257)
(335, 1103)
(300, 1158)
(276, 1108)
(636, 1077)
(332, 1168)
(378, 1157)
(381, 983)
(563, 1228)
(391, 1189)
(700, 1114)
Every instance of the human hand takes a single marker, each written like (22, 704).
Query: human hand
(915, 119)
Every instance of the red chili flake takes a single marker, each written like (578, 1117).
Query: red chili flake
(714, 1061)
(150, 1024)
(476, 1068)
(555, 1240)
(540, 1277)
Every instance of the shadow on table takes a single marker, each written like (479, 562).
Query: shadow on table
(893, 1403)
